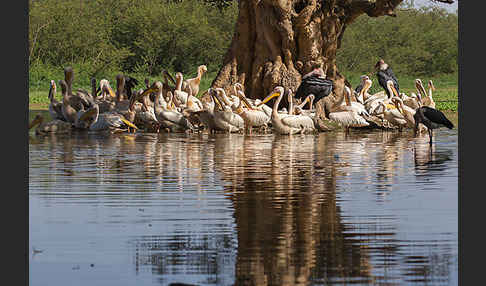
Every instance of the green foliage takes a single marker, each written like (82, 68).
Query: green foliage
(416, 42)
(128, 36)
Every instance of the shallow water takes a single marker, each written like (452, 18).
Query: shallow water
(368, 208)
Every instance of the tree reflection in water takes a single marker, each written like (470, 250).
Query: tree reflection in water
(285, 195)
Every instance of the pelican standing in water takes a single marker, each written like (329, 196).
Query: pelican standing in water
(224, 117)
(55, 107)
(168, 119)
(287, 124)
(348, 115)
(251, 116)
(93, 120)
(55, 126)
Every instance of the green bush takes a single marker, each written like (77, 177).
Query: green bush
(416, 42)
(144, 37)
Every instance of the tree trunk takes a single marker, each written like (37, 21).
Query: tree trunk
(276, 42)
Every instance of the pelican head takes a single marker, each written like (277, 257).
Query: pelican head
(364, 78)
(277, 91)
(52, 89)
(243, 98)
(155, 87)
(105, 87)
(212, 93)
(420, 88)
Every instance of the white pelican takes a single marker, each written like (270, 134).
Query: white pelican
(106, 104)
(287, 124)
(194, 83)
(68, 110)
(408, 113)
(93, 120)
(428, 100)
(348, 115)
(224, 117)
(206, 116)
(55, 107)
(166, 117)
(251, 116)
(373, 104)
(55, 126)
(393, 116)
(299, 109)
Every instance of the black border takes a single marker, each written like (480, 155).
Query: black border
(15, 107)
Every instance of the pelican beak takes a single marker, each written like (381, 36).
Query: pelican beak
(243, 98)
(34, 122)
(394, 91)
(274, 94)
(128, 123)
(110, 91)
(220, 107)
(147, 91)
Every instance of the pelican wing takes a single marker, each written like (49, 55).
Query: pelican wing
(175, 118)
(255, 117)
(181, 96)
(297, 121)
(348, 118)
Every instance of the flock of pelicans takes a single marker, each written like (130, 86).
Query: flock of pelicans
(175, 108)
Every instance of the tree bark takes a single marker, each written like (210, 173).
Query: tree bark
(278, 41)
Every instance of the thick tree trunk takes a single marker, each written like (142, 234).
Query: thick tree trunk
(276, 42)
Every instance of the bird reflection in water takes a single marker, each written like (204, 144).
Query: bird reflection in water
(427, 159)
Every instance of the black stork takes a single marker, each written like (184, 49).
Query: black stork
(315, 83)
(384, 74)
(432, 119)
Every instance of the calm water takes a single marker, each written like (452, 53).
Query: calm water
(370, 208)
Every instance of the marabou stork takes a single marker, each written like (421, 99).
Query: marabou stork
(432, 118)
(314, 83)
(384, 74)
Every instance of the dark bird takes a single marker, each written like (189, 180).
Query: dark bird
(129, 85)
(432, 119)
(384, 74)
(314, 83)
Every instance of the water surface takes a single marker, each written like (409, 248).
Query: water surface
(367, 208)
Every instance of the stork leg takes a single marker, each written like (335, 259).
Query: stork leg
(430, 136)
